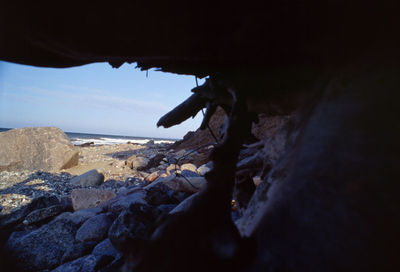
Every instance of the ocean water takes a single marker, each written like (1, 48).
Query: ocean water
(105, 139)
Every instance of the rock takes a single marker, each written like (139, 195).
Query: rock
(202, 170)
(158, 194)
(19, 215)
(42, 248)
(153, 176)
(80, 216)
(40, 148)
(132, 225)
(185, 204)
(95, 229)
(190, 184)
(150, 143)
(166, 208)
(122, 191)
(132, 181)
(189, 166)
(112, 184)
(126, 201)
(84, 264)
(89, 198)
(137, 162)
(77, 250)
(90, 178)
(86, 144)
(42, 214)
(106, 248)
(155, 161)
(172, 168)
(66, 202)
(257, 180)
(189, 174)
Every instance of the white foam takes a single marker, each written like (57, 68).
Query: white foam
(113, 141)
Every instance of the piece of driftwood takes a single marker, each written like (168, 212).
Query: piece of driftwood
(188, 108)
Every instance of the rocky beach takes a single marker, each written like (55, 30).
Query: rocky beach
(82, 209)
(109, 195)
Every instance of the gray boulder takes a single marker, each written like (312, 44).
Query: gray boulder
(90, 178)
(42, 248)
(39, 148)
(95, 229)
(42, 214)
(132, 226)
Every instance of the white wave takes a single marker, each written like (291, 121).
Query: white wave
(113, 141)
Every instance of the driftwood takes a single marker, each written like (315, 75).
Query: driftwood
(188, 108)
(206, 230)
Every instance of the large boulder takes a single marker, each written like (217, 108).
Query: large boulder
(38, 148)
(42, 248)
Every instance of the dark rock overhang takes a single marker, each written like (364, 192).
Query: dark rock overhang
(199, 38)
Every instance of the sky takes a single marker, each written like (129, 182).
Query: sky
(94, 98)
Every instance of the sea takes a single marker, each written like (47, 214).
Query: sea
(105, 139)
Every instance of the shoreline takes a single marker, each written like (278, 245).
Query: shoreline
(18, 188)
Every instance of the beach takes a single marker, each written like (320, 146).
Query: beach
(105, 153)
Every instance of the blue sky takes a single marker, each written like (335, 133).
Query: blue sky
(94, 98)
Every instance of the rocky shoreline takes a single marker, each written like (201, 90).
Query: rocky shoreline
(78, 210)
(19, 188)
(116, 195)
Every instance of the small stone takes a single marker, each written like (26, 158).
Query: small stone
(153, 176)
(172, 168)
(137, 162)
(257, 180)
(202, 170)
(189, 166)
(95, 229)
(89, 198)
(90, 178)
